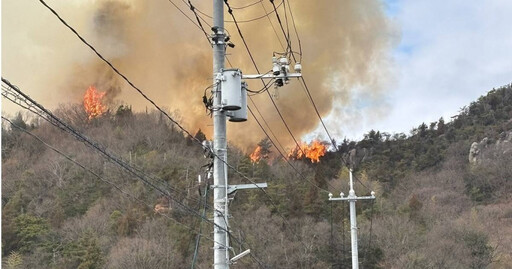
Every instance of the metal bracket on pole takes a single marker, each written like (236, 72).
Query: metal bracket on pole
(239, 256)
(348, 198)
(270, 76)
(280, 72)
(233, 188)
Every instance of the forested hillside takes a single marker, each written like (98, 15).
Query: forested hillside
(437, 206)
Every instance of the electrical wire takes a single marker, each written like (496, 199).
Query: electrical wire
(139, 90)
(154, 104)
(151, 101)
(306, 89)
(343, 240)
(288, 41)
(264, 89)
(40, 111)
(67, 157)
(266, 124)
(370, 236)
(308, 93)
(230, 11)
(198, 20)
(245, 21)
(53, 119)
(125, 166)
(273, 28)
(332, 232)
(198, 238)
(296, 32)
(248, 5)
(198, 24)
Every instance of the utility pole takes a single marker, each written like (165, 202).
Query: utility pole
(220, 182)
(352, 198)
(230, 100)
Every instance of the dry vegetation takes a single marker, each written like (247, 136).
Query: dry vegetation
(434, 209)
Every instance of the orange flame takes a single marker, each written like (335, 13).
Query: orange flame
(256, 155)
(313, 151)
(92, 102)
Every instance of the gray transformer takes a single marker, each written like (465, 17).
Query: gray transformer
(231, 84)
(241, 114)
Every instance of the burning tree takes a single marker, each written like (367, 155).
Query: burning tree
(262, 151)
(93, 102)
(313, 151)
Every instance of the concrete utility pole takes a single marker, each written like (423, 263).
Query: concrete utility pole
(230, 100)
(352, 198)
(220, 215)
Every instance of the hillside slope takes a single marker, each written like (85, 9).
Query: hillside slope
(435, 208)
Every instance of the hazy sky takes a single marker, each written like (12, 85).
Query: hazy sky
(449, 53)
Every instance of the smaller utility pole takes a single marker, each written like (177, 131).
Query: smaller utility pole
(352, 198)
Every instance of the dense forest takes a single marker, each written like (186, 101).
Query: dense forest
(443, 196)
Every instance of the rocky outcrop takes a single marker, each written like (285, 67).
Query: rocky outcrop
(485, 149)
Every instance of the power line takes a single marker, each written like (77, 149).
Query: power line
(248, 5)
(196, 248)
(156, 106)
(16, 96)
(144, 95)
(230, 11)
(306, 89)
(161, 110)
(308, 93)
(51, 118)
(56, 121)
(198, 20)
(289, 43)
(245, 21)
(198, 25)
(266, 124)
(296, 32)
(138, 89)
(271, 24)
(370, 236)
(96, 175)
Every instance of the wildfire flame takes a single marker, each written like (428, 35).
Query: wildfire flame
(313, 151)
(92, 102)
(256, 155)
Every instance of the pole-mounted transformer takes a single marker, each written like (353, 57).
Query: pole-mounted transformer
(241, 114)
(231, 89)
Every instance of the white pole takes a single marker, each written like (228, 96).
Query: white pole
(353, 223)
(220, 245)
(352, 198)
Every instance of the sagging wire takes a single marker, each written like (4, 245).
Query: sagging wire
(262, 90)
(208, 100)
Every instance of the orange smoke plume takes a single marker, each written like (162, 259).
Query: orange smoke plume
(92, 102)
(313, 151)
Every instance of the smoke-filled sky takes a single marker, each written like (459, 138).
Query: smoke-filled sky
(369, 64)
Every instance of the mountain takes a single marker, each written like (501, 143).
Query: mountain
(443, 196)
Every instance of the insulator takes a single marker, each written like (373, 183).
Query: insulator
(275, 69)
(298, 67)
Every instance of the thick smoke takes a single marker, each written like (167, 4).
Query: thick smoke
(346, 49)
